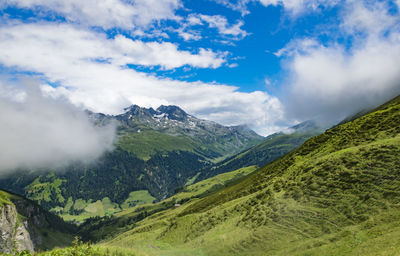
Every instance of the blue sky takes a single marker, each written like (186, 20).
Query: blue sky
(264, 63)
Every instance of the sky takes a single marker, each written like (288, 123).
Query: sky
(265, 63)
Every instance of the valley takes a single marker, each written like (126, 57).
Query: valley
(200, 128)
(334, 195)
(157, 152)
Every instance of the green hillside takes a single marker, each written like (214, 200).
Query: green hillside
(157, 152)
(338, 194)
(273, 147)
(100, 228)
(148, 143)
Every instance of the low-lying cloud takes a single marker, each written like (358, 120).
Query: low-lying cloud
(332, 81)
(41, 132)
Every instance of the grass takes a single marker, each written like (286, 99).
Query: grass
(209, 185)
(6, 198)
(273, 147)
(97, 229)
(149, 142)
(84, 210)
(338, 194)
(138, 198)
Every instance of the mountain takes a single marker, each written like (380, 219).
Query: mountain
(186, 132)
(337, 194)
(157, 151)
(26, 226)
(273, 147)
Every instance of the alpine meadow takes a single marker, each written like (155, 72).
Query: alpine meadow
(200, 128)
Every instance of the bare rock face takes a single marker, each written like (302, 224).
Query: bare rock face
(23, 238)
(13, 231)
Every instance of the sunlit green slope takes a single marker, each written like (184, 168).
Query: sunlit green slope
(273, 147)
(338, 194)
(156, 153)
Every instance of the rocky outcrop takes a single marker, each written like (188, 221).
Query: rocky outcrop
(14, 230)
(24, 225)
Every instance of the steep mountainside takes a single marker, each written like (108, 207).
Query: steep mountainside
(157, 152)
(26, 226)
(338, 194)
(186, 132)
(273, 147)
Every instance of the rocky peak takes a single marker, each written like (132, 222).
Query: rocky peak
(243, 129)
(137, 113)
(173, 112)
(136, 110)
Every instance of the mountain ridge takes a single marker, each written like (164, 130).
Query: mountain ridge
(337, 194)
(157, 152)
(273, 147)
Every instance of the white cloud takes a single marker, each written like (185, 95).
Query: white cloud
(106, 13)
(190, 27)
(296, 7)
(267, 82)
(297, 46)
(164, 54)
(221, 24)
(39, 132)
(238, 5)
(189, 34)
(372, 20)
(333, 81)
(87, 66)
(36, 43)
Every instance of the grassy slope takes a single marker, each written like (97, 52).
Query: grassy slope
(149, 142)
(122, 220)
(97, 229)
(338, 194)
(5, 198)
(272, 148)
(79, 192)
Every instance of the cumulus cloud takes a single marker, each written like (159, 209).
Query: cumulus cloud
(106, 14)
(332, 81)
(39, 132)
(89, 72)
(164, 54)
(38, 43)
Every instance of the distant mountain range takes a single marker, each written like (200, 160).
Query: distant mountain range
(337, 194)
(338, 190)
(157, 153)
(205, 138)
